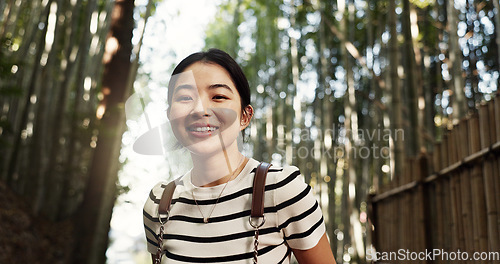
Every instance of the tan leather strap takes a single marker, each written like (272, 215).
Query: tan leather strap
(259, 184)
(166, 198)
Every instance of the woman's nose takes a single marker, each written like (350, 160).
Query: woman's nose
(201, 107)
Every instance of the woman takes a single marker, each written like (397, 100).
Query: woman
(208, 107)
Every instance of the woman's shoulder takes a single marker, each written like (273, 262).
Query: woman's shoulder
(283, 172)
(154, 196)
(157, 190)
(281, 178)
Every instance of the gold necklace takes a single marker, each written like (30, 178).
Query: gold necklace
(205, 219)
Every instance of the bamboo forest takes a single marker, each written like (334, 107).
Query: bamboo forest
(389, 108)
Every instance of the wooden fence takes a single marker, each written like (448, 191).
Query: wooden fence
(448, 201)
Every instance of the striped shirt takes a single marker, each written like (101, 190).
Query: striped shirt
(293, 219)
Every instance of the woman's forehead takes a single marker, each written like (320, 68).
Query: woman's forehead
(204, 75)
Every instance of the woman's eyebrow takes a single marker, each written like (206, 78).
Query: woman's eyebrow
(220, 85)
(183, 86)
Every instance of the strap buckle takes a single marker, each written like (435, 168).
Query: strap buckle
(258, 223)
(160, 217)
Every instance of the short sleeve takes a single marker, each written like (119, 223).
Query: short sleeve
(150, 217)
(298, 212)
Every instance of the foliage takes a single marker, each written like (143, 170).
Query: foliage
(300, 64)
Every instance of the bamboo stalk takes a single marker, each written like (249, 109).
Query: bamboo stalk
(466, 210)
(439, 216)
(430, 208)
(387, 226)
(418, 215)
(488, 178)
(497, 190)
(496, 103)
(473, 146)
(455, 225)
(458, 153)
(484, 131)
(491, 122)
(447, 195)
(411, 173)
(405, 223)
(423, 212)
(495, 135)
(445, 158)
(439, 221)
(392, 227)
(436, 158)
(389, 237)
(407, 173)
(411, 224)
(474, 140)
(477, 184)
(397, 234)
(378, 225)
(460, 223)
(447, 219)
(453, 195)
(479, 209)
(465, 189)
(452, 145)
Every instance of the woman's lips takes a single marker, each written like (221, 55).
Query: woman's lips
(202, 130)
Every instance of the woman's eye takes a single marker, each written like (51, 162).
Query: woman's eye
(183, 98)
(220, 97)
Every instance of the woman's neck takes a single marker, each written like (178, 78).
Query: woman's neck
(215, 169)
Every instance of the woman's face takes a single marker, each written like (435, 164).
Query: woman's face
(205, 111)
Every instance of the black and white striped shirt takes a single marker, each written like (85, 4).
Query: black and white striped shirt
(293, 219)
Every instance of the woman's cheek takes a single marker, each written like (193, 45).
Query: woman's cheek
(177, 121)
(226, 116)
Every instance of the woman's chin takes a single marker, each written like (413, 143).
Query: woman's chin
(209, 146)
(204, 147)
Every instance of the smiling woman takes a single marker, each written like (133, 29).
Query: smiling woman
(204, 103)
(209, 104)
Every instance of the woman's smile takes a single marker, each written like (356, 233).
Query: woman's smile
(202, 130)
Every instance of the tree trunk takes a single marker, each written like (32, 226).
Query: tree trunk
(52, 176)
(78, 66)
(411, 78)
(455, 65)
(100, 192)
(496, 5)
(13, 165)
(326, 122)
(395, 88)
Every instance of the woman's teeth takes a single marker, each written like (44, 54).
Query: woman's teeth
(203, 129)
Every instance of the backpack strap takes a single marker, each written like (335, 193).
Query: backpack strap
(259, 184)
(163, 208)
(166, 198)
(257, 212)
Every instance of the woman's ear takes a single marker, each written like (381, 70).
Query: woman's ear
(246, 116)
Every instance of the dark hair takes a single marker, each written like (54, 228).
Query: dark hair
(222, 59)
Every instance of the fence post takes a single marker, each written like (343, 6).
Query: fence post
(478, 199)
(488, 178)
(496, 110)
(423, 228)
